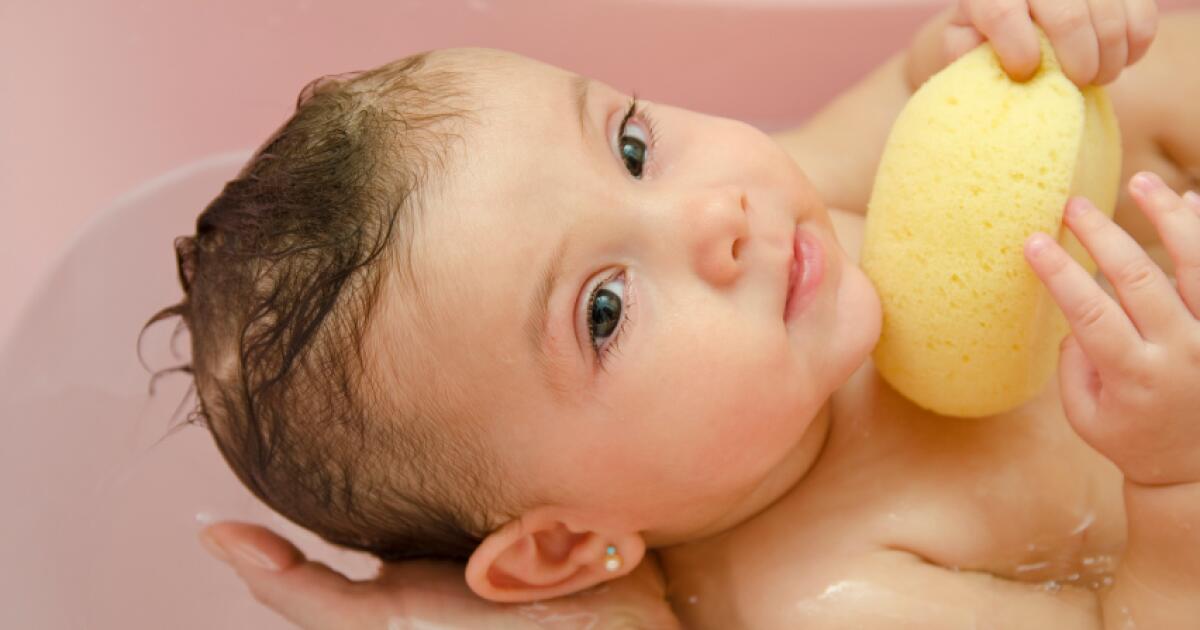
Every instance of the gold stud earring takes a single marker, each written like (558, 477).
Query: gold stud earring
(612, 560)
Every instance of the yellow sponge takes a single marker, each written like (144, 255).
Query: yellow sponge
(975, 164)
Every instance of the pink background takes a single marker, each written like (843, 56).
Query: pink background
(120, 121)
(101, 96)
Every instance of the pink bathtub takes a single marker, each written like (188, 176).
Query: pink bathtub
(155, 105)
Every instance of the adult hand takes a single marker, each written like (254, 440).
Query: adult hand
(419, 593)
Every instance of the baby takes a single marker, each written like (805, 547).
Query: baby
(683, 367)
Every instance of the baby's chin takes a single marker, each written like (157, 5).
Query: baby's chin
(852, 316)
(858, 323)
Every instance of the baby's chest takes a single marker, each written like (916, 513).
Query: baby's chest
(1030, 504)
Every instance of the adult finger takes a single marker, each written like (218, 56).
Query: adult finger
(309, 594)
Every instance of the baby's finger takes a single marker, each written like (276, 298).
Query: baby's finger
(1145, 292)
(959, 40)
(1097, 322)
(1078, 383)
(1178, 224)
(1108, 22)
(1068, 24)
(1141, 19)
(1192, 198)
(1008, 26)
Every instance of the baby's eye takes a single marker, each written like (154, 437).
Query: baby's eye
(632, 145)
(604, 310)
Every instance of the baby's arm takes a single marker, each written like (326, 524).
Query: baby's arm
(1128, 378)
(1158, 580)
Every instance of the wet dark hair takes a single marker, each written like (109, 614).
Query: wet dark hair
(281, 279)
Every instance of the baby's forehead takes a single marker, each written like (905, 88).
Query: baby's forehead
(492, 68)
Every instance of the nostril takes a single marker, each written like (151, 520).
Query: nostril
(737, 247)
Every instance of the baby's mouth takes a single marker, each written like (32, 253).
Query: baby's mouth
(806, 272)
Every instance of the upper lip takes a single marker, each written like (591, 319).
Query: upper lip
(789, 269)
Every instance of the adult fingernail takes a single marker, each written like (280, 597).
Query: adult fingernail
(237, 554)
(210, 543)
(255, 556)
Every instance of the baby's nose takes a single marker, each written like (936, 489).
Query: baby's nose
(715, 226)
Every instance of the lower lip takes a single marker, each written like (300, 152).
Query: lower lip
(808, 269)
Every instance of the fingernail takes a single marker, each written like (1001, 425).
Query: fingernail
(1192, 198)
(1077, 206)
(1146, 182)
(245, 553)
(1037, 244)
(214, 547)
(255, 556)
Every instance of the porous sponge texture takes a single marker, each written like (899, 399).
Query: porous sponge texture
(976, 163)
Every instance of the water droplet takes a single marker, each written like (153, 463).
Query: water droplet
(1051, 586)
(1032, 566)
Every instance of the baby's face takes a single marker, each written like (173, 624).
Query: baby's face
(609, 302)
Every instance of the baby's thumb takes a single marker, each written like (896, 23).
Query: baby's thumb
(309, 594)
(1079, 384)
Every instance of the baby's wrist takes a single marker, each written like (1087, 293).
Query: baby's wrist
(1164, 528)
(1156, 497)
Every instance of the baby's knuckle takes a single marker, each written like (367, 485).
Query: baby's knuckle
(1064, 18)
(1143, 28)
(1110, 31)
(1090, 313)
(992, 14)
(1140, 378)
(1137, 274)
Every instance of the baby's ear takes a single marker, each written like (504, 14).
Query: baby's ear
(540, 556)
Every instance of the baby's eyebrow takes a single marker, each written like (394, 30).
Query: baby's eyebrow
(579, 90)
(538, 320)
(539, 308)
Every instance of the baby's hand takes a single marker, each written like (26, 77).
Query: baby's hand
(1129, 374)
(1093, 39)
